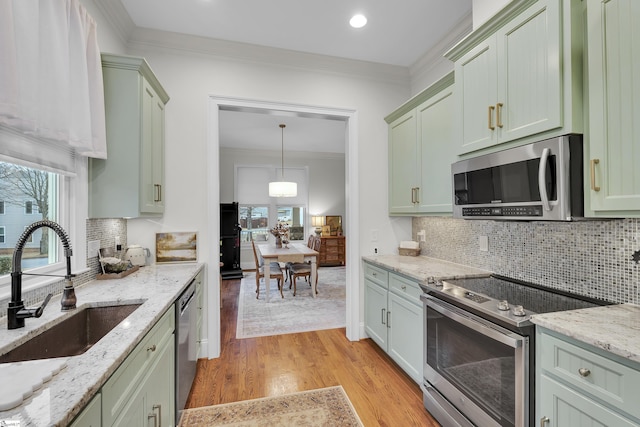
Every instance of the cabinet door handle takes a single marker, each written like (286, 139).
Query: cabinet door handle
(543, 421)
(155, 418)
(490, 118)
(594, 162)
(417, 190)
(499, 106)
(383, 316)
(152, 348)
(584, 372)
(389, 319)
(403, 287)
(159, 408)
(158, 191)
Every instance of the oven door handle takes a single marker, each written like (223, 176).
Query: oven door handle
(476, 323)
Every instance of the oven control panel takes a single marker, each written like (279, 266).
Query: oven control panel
(475, 297)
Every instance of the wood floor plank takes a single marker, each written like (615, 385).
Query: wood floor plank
(250, 368)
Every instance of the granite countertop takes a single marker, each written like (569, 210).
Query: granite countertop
(423, 268)
(614, 328)
(59, 400)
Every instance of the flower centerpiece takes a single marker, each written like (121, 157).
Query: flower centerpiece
(280, 231)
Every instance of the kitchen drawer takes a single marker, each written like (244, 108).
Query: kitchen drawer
(405, 288)
(118, 389)
(612, 382)
(376, 275)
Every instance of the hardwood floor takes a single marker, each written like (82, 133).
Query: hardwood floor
(381, 393)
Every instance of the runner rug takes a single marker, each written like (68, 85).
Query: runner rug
(302, 313)
(322, 407)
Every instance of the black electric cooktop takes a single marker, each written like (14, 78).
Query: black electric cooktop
(508, 300)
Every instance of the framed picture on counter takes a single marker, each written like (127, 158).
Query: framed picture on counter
(176, 247)
(326, 230)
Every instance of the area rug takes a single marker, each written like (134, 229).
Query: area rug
(322, 407)
(302, 313)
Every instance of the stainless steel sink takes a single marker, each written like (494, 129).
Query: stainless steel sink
(73, 336)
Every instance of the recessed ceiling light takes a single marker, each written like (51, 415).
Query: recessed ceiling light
(358, 21)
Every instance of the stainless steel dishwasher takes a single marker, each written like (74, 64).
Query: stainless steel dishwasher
(186, 336)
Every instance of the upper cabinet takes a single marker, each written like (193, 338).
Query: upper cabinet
(130, 182)
(519, 75)
(613, 81)
(421, 151)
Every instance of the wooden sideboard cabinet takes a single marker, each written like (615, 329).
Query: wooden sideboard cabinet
(332, 251)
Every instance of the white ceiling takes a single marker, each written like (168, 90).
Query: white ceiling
(398, 33)
(261, 131)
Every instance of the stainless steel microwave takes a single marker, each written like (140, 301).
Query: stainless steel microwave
(541, 181)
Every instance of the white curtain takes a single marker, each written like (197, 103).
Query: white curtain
(51, 74)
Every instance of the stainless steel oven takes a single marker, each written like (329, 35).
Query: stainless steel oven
(480, 366)
(479, 348)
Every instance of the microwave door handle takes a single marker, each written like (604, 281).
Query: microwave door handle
(542, 172)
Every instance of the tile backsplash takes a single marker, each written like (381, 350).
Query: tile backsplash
(592, 258)
(104, 230)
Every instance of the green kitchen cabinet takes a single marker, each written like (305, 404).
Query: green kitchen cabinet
(200, 315)
(518, 76)
(580, 385)
(376, 289)
(394, 317)
(142, 390)
(613, 58)
(130, 182)
(91, 415)
(421, 151)
(152, 403)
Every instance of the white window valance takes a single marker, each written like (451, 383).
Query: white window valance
(51, 74)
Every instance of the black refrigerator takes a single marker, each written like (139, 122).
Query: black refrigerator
(230, 241)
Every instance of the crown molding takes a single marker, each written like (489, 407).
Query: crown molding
(435, 56)
(143, 38)
(116, 14)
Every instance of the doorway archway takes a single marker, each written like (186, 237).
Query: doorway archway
(350, 117)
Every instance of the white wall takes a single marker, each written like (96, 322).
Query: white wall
(485, 9)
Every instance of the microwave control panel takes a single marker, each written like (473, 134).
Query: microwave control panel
(513, 211)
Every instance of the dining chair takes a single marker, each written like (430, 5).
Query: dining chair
(275, 272)
(288, 265)
(303, 269)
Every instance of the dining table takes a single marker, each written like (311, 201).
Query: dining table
(293, 252)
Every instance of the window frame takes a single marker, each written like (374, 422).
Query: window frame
(273, 203)
(72, 205)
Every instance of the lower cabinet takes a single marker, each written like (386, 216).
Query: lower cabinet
(394, 317)
(579, 385)
(91, 415)
(152, 403)
(200, 303)
(142, 391)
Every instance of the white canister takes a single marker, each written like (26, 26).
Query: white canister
(137, 255)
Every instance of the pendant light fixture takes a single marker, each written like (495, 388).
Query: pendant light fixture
(283, 188)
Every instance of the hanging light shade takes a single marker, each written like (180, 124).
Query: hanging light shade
(283, 188)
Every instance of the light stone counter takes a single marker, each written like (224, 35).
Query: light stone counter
(614, 328)
(423, 268)
(65, 395)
